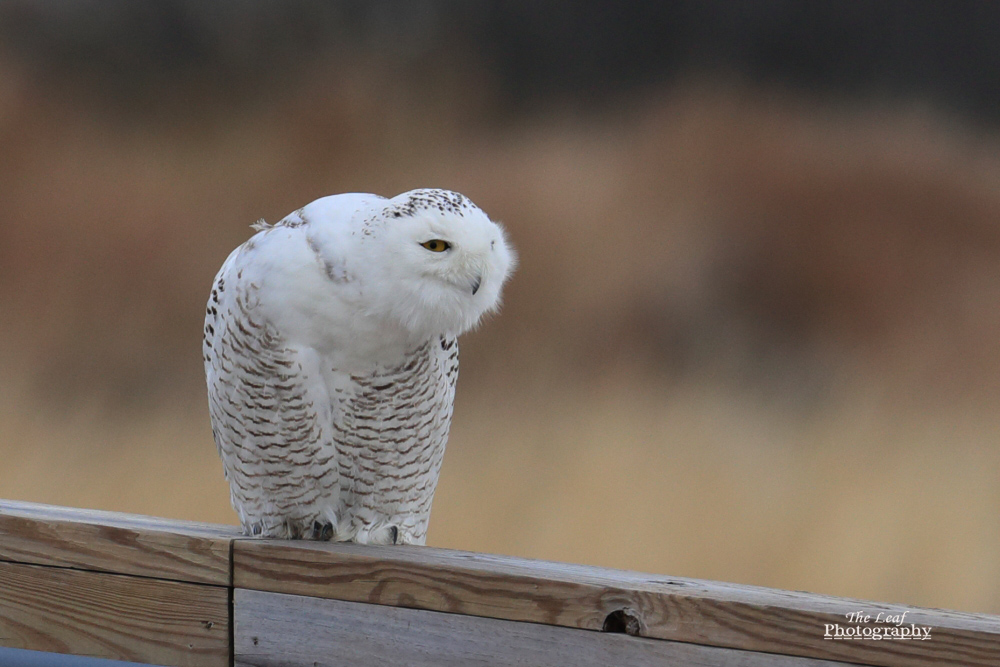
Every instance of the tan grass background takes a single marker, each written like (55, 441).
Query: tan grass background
(752, 337)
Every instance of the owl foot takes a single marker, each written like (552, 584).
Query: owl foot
(315, 527)
(385, 535)
(294, 529)
(270, 530)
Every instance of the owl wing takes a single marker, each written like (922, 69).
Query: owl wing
(271, 415)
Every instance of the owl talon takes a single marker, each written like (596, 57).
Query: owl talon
(294, 529)
(393, 535)
(322, 531)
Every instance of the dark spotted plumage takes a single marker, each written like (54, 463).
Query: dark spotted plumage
(443, 201)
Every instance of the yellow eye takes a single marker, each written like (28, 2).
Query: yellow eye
(436, 245)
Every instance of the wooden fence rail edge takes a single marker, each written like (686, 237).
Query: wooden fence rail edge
(165, 592)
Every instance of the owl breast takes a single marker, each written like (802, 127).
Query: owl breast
(390, 429)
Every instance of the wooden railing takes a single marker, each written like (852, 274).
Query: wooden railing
(178, 593)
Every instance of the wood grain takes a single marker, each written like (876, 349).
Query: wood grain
(113, 542)
(113, 616)
(274, 629)
(699, 612)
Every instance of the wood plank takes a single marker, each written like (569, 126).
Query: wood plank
(276, 629)
(113, 616)
(114, 542)
(688, 610)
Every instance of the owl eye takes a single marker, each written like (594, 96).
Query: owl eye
(436, 245)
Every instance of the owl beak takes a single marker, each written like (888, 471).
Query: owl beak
(476, 283)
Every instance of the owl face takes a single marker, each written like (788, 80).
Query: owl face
(444, 265)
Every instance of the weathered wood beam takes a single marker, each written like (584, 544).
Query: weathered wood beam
(707, 613)
(114, 586)
(114, 542)
(119, 617)
(159, 591)
(279, 630)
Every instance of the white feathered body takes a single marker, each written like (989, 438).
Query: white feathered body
(331, 358)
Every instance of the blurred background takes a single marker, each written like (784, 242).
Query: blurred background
(754, 332)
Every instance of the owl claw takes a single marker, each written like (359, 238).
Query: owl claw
(294, 529)
(322, 531)
(393, 535)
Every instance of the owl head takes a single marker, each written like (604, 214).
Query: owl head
(435, 263)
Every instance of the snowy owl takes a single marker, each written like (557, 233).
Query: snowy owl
(331, 358)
